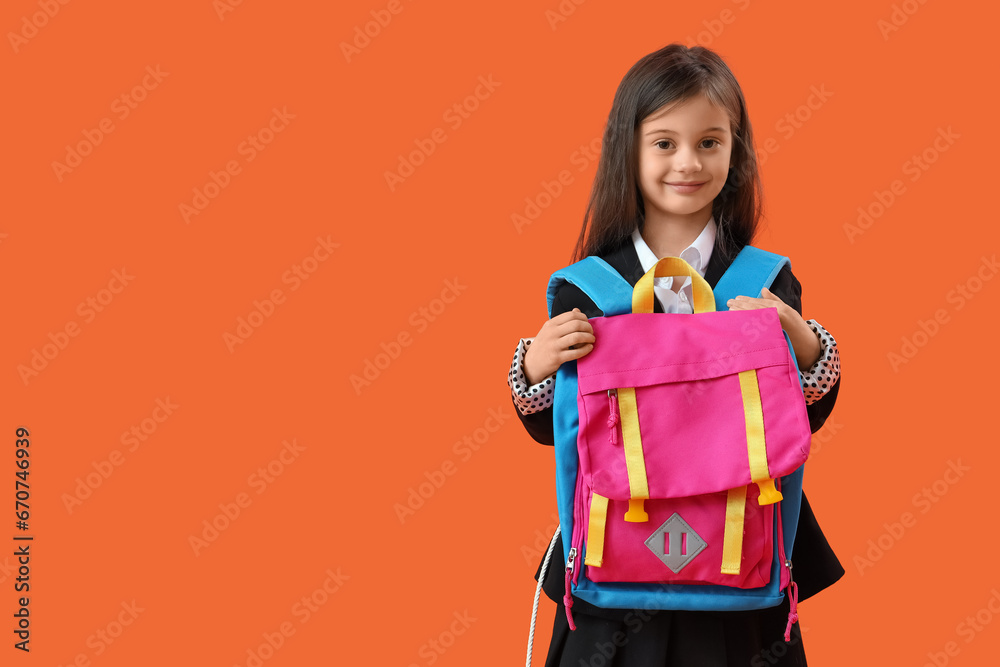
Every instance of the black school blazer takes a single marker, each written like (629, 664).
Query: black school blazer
(815, 564)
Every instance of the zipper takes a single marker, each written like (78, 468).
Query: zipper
(786, 572)
(785, 575)
(793, 602)
(568, 598)
(793, 588)
(613, 415)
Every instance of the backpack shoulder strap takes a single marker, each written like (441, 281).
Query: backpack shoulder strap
(752, 269)
(598, 280)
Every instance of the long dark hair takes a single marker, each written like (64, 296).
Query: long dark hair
(674, 73)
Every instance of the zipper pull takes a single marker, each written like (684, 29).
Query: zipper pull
(568, 599)
(793, 602)
(613, 414)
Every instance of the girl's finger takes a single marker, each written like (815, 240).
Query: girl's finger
(768, 294)
(569, 316)
(576, 353)
(576, 339)
(574, 325)
(748, 303)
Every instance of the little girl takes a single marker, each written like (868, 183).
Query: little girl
(677, 176)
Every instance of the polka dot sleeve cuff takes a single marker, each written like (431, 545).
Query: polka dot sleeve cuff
(529, 399)
(819, 379)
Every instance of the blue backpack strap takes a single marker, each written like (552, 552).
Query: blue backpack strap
(752, 269)
(599, 281)
(612, 294)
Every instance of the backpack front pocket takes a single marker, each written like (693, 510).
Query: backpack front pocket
(722, 538)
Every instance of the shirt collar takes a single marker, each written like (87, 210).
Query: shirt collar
(697, 254)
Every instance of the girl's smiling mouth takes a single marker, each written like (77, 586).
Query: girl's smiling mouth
(686, 187)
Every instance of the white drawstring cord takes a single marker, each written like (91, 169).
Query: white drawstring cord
(538, 591)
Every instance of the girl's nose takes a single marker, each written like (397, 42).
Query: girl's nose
(686, 159)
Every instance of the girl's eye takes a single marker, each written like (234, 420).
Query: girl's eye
(663, 144)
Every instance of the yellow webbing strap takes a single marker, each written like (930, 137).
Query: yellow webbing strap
(635, 462)
(732, 544)
(756, 449)
(595, 530)
(642, 293)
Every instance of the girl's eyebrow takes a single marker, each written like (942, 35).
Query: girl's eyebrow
(664, 131)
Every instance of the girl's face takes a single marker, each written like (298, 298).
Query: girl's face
(683, 142)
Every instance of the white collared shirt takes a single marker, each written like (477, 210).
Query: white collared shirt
(697, 255)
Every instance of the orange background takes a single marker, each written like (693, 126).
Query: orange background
(471, 548)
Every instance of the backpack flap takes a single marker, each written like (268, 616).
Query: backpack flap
(700, 400)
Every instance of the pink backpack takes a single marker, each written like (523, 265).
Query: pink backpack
(677, 438)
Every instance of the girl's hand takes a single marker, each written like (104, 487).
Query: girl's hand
(805, 343)
(564, 337)
(786, 314)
